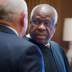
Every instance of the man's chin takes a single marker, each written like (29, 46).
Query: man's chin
(41, 41)
(41, 37)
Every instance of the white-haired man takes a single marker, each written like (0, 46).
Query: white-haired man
(12, 28)
(43, 21)
(15, 51)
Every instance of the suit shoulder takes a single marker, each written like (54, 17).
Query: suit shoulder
(29, 44)
(55, 45)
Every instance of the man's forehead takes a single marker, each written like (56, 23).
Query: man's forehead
(42, 12)
(42, 17)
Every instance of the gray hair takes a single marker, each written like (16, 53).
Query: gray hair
(50, 9)
(10, 10)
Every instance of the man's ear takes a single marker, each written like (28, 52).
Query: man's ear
(21, 25)
(22, 20)
(30, 21)
(52, 33)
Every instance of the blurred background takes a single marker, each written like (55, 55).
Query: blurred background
(64, 10)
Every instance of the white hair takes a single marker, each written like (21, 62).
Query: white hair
(50, 9)
(11, 9)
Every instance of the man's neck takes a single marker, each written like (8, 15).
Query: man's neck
(13, 30)
(5, 23)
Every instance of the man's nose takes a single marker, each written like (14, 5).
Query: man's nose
(42, 26)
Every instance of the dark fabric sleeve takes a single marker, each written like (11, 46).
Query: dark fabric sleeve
(30, 61)
(60, 57)
(65, 59)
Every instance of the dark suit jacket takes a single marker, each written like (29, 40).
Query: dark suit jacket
(58, 60)
(16, 54)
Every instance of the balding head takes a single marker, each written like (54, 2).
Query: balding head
(12, 11)
(45, 9)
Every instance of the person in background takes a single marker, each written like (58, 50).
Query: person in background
(43, 23)
(15, 51)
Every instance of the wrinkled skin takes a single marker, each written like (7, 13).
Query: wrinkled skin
(42, 27)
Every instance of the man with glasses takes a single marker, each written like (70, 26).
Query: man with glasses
(43, 21)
